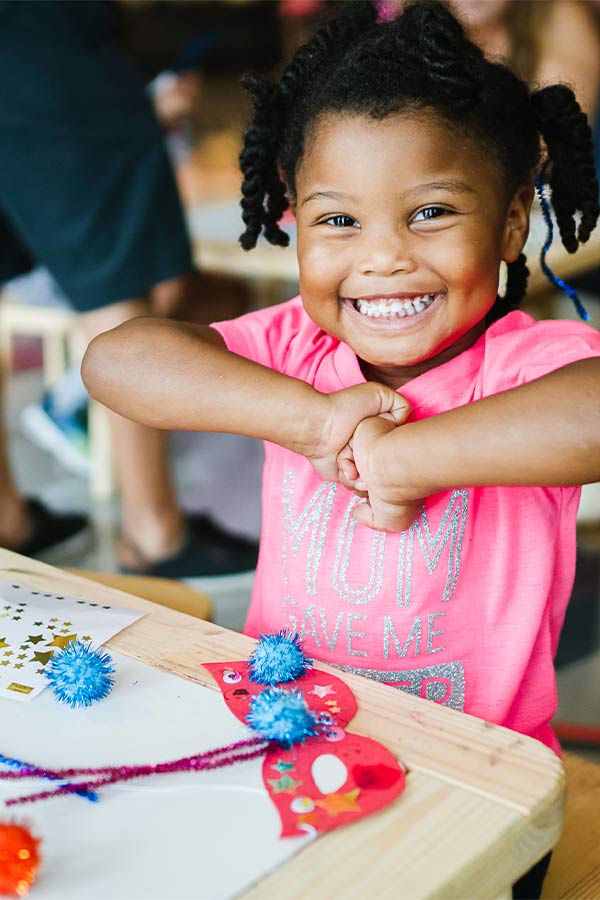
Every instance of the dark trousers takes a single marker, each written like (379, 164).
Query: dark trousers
(529, 886)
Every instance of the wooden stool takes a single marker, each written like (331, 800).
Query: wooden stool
(62, 341)
(575, 868)
(164, 591)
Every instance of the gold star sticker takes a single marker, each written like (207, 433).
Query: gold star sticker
(334, 804)
(18, 666)
(55, 620)
(42, 657)
(38, 624)
(67, 624)
(40, 671)
(62, 640)
(86, 637)
(3, 643)
(284, 785)
(21, 656)
(35, 638)
(7, 653)
(5, 662)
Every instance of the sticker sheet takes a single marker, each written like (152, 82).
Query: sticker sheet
(34, 624)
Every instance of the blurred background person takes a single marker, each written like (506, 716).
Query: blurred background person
(86, 189)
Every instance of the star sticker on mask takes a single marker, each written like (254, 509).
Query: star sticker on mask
(322, 690)
(284, 785)
(61, 640)
(35, 638)
(282, 766)
(38, 624)
(334, 804)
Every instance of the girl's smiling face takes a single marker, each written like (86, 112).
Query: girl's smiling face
(402, 225)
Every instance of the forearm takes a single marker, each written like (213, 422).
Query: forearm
(168, 375)
(546, 432)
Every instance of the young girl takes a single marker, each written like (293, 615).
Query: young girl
(425, 439)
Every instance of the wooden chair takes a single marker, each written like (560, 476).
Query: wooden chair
(163, 591)
(62, 341)
(575, 867)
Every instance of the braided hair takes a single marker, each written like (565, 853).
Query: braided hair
(420, 60)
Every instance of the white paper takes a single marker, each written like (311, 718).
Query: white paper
(188, 836)
(34, 624)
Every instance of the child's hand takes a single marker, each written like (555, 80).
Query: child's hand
(386, 508)
(346, 409)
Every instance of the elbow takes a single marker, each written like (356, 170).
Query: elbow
(97, 366)
(91, 367)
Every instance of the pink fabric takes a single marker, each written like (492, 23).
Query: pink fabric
(465, 607)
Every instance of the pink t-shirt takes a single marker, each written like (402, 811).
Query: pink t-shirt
(463, 608)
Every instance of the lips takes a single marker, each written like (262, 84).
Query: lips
(394, 307)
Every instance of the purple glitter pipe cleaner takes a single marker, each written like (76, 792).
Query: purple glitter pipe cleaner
(212, 759)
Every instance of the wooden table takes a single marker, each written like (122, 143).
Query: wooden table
(482, 803)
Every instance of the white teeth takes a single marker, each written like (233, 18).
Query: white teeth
(394, 307)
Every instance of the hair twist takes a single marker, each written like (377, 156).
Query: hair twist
(572, 175)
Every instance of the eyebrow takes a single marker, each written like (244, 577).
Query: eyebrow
(452, 187)
(328, 195)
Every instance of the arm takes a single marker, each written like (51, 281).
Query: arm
(570, 52)
(170, 375)
(546, 432)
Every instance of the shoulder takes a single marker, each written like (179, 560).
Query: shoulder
(519, 349)
(570, 50)
(280, 336)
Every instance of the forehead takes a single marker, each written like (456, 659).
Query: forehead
(404, 150)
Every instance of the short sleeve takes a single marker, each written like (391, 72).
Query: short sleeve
(528, 349)
(266, 336)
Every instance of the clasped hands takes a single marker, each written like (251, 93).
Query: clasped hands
(353, 448)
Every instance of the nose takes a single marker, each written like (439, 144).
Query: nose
(385, 252)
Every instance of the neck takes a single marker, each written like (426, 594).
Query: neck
(396, 376)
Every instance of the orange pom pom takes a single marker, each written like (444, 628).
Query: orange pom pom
(19, 859)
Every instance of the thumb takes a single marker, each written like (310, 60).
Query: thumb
(392, 405)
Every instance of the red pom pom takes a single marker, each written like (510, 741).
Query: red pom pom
(19, 859)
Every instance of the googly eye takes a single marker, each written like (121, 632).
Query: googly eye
(230, 676)
(334, 733)
(302, 805)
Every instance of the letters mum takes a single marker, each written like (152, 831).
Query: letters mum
(425, 439)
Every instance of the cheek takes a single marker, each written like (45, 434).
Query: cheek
(322, 267)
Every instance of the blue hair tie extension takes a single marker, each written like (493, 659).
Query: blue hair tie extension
(571, 292)
(278, 658)
(79, 674)
(282, 716)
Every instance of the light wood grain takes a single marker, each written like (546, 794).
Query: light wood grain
(482, 803)
(574, 872)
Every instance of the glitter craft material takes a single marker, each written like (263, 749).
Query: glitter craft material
(80, 674)
(278, 658)
(298, 729)
(19, 859)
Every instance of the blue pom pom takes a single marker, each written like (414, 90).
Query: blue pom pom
(282, 716)
(79, 674)
(278, 658)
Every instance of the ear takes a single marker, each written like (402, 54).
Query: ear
(516, 226)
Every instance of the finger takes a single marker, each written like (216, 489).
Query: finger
(384, 516)
(347, 468)
(392, 405)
